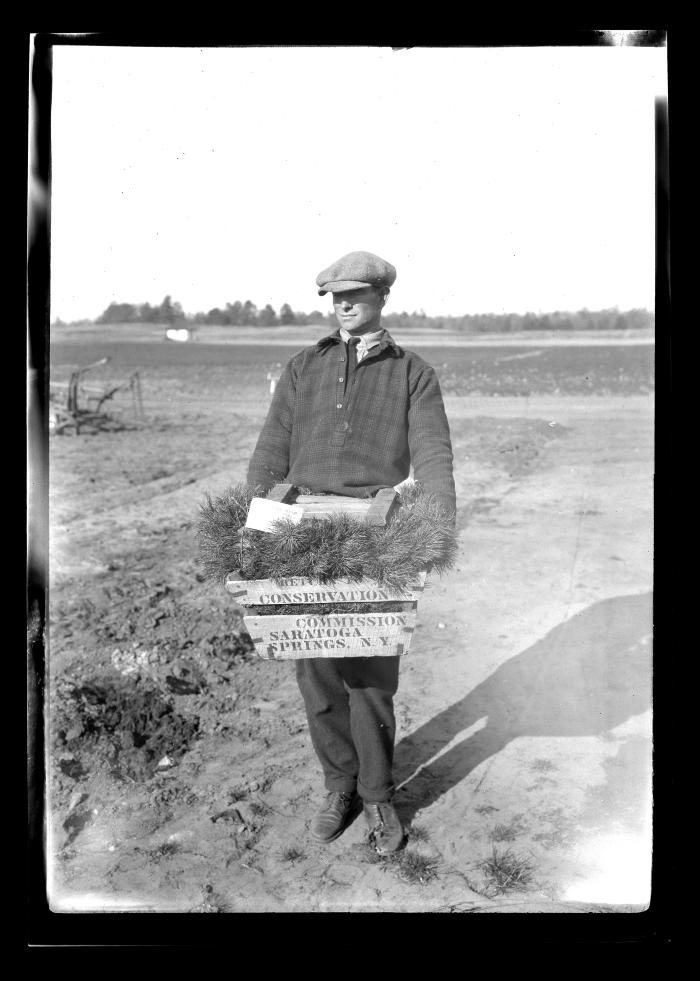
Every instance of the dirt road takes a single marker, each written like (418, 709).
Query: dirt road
(523, 747)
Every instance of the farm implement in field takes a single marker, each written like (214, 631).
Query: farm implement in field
(77, 406)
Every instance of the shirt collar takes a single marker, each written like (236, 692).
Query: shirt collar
(384, 340)
(366, 340)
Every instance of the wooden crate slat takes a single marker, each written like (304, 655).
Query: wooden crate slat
(319, 506)
(381, 506)
(332, 635)
(264, 592)
(330, 508)
(317, 512)
(394, 650)
(373, 510)
(320, 515)
(333, 502)
(282, 493)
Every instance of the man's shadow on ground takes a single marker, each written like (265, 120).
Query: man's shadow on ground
(586, 676)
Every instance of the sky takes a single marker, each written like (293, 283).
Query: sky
(493, 179)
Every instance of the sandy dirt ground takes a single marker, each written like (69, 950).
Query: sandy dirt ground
(181, 777)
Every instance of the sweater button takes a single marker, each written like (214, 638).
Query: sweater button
(340, 378)
(339, 405)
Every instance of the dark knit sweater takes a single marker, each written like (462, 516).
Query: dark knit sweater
(352, 432)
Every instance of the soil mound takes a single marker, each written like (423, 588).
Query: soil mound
(123, 724)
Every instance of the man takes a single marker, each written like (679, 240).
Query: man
(349, 416)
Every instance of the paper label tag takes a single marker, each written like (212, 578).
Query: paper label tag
(262, 513)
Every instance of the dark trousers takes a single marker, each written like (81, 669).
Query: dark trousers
(350, 708)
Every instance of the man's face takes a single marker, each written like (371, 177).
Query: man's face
(358, 311)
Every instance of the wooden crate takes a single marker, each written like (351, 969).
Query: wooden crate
(336, 634)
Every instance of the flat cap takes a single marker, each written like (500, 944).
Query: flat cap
(353, 271)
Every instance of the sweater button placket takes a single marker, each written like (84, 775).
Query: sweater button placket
(339, 404)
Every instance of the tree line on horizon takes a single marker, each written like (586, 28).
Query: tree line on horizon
(247, 314)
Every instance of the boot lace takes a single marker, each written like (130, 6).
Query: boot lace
(375, 811)
(337, 801)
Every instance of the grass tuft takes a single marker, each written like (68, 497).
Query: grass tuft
(413, 867)
(416, 832)
(485, 809)
(506, 871)
(292, 854)
(504, 832)
(510, 831)
(542, 765)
